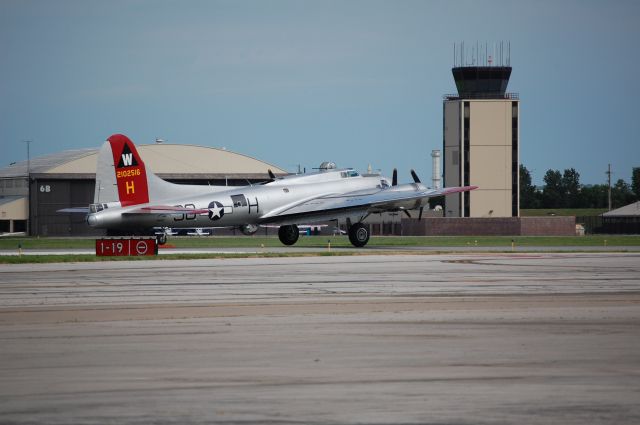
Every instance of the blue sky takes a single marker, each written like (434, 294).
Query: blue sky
(300, 82)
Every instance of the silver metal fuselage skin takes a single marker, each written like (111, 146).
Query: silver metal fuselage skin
(240, 206)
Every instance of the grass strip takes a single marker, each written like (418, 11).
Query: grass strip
(12, 243)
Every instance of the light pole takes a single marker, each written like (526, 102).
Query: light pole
(608, 173)
(28, 142)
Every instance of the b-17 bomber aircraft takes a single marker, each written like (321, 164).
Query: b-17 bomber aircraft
(130, 200)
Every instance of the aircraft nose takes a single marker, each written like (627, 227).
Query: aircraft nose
(92, 220)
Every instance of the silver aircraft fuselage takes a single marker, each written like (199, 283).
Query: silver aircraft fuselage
(248, 205)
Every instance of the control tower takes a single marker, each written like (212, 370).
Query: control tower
(481, 134)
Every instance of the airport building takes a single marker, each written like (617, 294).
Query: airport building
(624, 220)
(481, 141)
(32, 191)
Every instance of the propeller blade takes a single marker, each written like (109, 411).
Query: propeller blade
(420, 215)
(271, 175)
(415, 176)
(394, 178)
(407, 213)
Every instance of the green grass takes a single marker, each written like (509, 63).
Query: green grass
(448, 243)
(577, 212)
(46, 243)
(339, 241)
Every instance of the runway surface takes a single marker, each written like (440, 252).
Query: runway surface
(366, 250)
(474, 338)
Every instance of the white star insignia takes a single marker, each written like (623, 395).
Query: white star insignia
(215, 212)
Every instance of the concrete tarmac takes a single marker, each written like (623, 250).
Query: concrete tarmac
(366, 250)
(475, 338)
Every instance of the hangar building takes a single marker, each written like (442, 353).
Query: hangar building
(67, 179)
(625, 220)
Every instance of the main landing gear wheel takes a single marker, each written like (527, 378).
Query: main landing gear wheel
(359, 235)
(162, 239)
(288, 234)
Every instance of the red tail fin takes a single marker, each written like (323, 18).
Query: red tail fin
(131, 175)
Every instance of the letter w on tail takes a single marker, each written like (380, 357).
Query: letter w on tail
(127, 159)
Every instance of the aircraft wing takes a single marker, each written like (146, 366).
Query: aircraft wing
(393, 202)
(401, 197)
(84, 210)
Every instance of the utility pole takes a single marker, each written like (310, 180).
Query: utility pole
(28, 142)
(609, 180)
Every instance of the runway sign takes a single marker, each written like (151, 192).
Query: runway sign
(126, 247)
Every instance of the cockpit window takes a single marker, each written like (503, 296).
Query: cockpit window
(349, 173)
(94, 208)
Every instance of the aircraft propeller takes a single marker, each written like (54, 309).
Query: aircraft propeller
(417, 180)
(415, 176)
(272, 177)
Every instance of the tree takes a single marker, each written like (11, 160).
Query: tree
(563, 190)
(594, 196)
(528, 194)
(621, 194)
(571, 188)
(553, 192)
(635, 182)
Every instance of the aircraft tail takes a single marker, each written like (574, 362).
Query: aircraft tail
(122, 176)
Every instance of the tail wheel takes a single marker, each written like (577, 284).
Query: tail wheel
(288, 234)
(359, 235)
(248, 229)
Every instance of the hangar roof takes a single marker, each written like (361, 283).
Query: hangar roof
(166, 160)
(631, 210)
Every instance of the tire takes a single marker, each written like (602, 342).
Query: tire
(249, 229)
(288, 234)
(162, 239)
(359, 235)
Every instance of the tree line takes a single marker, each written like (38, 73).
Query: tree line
(564, 190)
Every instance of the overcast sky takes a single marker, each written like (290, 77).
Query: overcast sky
(301, 82)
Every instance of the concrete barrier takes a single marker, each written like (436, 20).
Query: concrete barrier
(502, 226)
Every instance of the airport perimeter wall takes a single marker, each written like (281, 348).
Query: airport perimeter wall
(504, 226)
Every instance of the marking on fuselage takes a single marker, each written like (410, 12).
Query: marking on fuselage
(216, 210)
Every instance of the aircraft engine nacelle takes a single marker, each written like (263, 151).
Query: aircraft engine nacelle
(249, 229)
